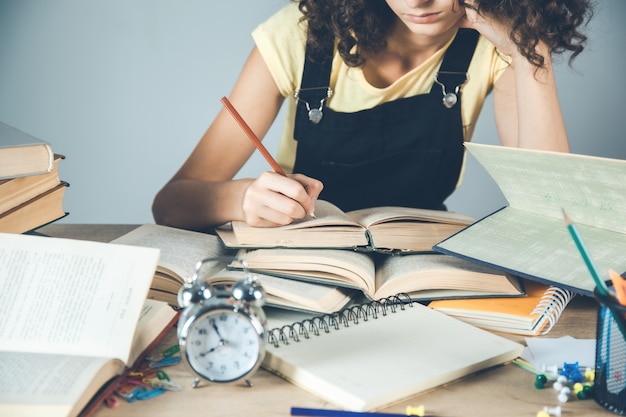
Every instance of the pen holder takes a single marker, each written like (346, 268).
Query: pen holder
(610, 374)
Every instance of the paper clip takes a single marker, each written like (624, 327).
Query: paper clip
(146, 394)
(167, 361)
(111, 401)
(130, 395)
(162, 375)
(167, 385)
(143, 393)
(132, 381)
(172, 350)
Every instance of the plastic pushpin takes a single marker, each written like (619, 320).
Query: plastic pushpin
(585, 393)
(542, 414)
(540, 381)
(415, 411)
(578, 387)
(553, 411)
(551, 369)
(560, 382)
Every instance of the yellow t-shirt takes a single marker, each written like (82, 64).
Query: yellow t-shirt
(281, 40)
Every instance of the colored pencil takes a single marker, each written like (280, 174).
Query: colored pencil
(601, 286)
(316, 412)
(255, 140)
(619, 284)
(268, 157)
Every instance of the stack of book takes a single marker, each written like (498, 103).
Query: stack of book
(379, 252)
(31, 192)
(314, 279)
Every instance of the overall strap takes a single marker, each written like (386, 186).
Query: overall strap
(316, 75)
(453, 71)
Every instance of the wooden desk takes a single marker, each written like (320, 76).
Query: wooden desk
(504, 391)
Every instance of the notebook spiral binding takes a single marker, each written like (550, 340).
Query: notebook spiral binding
(326, 322)
(552, 304)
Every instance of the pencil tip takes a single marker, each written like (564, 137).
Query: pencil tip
(566, 217)
(312, 215)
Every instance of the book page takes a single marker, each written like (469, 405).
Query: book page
(71, 296)
(425, 272)
(376, 362)
(180, 249)
(331, 228)
(288, 292)
(154, 318)
(51, 384)
(334, 266)
(377, 215)
(326, 214)
(539, 248)
(591, 189)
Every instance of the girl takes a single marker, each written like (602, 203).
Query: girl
(380, 97)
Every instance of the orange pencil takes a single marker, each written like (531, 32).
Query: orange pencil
(268, 157)
(619, 284)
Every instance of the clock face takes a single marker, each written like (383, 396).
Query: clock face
(224, 345)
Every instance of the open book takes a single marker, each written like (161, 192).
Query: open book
(529, 237)
(377, 354)
(372, 229)
(182, 249)
(424, 276)
(74, 316)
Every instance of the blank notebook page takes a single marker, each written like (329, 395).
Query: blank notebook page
(374, 363)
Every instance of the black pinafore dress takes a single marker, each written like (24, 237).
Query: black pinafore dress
(408, 152)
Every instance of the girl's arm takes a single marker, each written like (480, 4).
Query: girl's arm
(527, 109)
(203, 194)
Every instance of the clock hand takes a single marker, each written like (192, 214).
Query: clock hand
(213, 349)
(220, 343)
(218, 333)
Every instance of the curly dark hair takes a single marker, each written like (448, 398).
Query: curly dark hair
(366, 23)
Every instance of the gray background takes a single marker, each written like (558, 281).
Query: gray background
(124, 89)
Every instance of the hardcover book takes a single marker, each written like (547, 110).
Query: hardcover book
(529, 237)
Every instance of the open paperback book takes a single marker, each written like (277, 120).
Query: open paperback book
(529, 237)
(424, 276)
(75, 316)
(182, 249)
(373, 229)
(372, 355)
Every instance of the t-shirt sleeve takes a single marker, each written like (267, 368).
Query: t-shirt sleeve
(281, 40)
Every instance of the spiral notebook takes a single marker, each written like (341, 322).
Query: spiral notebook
(532, 315)
(372, 355)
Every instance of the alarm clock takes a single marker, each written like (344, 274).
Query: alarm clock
(221, 331)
